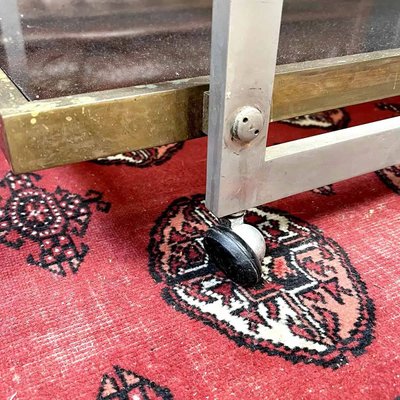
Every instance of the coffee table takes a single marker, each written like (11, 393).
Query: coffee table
(83, 80)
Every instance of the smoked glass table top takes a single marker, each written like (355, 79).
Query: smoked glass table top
(53, 48)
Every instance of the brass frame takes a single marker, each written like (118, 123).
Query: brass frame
(47, 133)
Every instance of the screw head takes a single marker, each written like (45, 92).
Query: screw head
(248, 124)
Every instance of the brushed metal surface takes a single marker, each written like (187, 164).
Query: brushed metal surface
(242, 75)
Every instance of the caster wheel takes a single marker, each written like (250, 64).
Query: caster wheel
(237, 251)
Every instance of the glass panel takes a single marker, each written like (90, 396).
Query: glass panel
(53, 48)
(317, 29)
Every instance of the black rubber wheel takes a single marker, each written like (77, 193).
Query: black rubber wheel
(231, 254)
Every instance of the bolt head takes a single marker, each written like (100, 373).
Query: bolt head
(248, 124)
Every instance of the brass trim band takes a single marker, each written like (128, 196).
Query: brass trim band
(47, 133)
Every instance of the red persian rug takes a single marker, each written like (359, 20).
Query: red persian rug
(107, 293)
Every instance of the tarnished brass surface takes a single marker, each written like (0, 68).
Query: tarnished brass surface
(313, 86)
(47, 133)
(10, 96)
(308, 87)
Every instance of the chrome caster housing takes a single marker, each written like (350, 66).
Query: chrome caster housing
(237, 249)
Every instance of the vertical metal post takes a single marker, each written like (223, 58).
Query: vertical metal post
(245, 35)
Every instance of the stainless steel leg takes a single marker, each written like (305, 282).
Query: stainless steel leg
(245, 37)
(241, 172)
(243, 57)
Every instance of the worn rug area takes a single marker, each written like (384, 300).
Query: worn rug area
(107, 293)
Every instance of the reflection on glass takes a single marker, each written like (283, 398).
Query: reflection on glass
(12, 49)
(78, 46)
